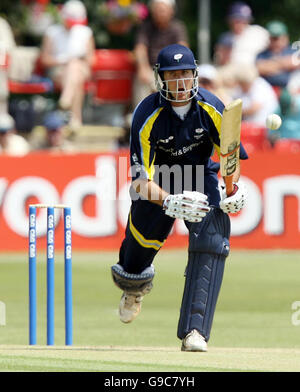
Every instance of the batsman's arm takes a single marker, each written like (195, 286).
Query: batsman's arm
(149, 190)
(189, 206)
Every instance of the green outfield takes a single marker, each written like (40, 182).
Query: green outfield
(255, 327)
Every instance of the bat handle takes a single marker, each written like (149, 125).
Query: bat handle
(229, 185)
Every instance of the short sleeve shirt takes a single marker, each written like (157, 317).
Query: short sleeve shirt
(280, 79)
(69, 43)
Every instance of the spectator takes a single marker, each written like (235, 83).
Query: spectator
(7, 44)
(293, 86)
(160, 30)
(227, 80)
(258, 96)
(54, 137)
(225, 68)
(223, 50)
(209, 79)
(156, 32)
(289, 111)
(16, 63)
(10, 142)
(276, 63)
(248, 39)
(67, 54)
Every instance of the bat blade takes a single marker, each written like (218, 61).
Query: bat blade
(230, 142)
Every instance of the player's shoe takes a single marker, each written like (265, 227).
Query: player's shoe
(130, 306)
(194, 342)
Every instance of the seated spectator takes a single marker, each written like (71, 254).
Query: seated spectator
(226, 76)
(258, 96)
(223, 50)
(7, 44)
(67, 54)
(17, 63)
(248, 39)
(289, 112)
(10, 142)
(54, 138)
(293, 86)
(209, 79)
(160, 30)
(276, 63)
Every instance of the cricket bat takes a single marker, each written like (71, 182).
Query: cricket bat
(230, 142)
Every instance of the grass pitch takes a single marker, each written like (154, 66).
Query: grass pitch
(254, 329)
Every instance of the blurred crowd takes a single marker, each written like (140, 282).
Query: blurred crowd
(256, 63)
(259, 65)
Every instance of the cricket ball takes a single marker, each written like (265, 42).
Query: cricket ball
(273, 121)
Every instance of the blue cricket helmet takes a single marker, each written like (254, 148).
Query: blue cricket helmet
(175, 57)
(172, 58)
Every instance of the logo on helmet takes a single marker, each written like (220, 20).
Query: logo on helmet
(178, 57)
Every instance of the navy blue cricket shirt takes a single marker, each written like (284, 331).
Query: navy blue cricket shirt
(159, 137)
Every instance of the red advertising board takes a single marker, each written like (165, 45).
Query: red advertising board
(96, 187)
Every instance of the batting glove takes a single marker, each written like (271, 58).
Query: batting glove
(236, 201)
(189, 206)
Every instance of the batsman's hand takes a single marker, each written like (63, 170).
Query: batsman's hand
(189, 206)
(235, 202)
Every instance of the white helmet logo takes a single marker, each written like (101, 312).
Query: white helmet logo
(178, 56)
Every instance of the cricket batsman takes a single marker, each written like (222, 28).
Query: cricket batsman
(173, 136)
